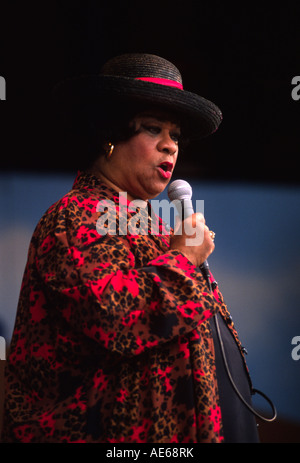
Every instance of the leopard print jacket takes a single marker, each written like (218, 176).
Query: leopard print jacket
(112, 340)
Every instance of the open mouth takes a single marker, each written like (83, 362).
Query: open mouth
(165, 169)
(166, 166)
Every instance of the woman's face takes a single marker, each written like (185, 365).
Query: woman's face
(143, 165)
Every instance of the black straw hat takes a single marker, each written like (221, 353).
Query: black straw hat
(145, 80)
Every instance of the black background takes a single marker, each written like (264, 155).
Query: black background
(242, 56)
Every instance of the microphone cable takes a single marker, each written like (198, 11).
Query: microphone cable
(253, 390)
(205, 272)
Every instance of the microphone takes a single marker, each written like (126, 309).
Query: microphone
(181, 193)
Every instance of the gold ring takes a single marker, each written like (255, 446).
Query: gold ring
(212, 234)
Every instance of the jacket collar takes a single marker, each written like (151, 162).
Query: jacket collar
(89, 182)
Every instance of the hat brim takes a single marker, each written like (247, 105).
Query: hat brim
(199, 116)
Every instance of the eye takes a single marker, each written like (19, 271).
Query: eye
(175, 137)
(154, 129)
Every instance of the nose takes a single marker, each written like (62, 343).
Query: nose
(167, 144)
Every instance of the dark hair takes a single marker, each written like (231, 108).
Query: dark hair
(87, 132)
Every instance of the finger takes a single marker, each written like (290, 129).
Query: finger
(178, 226)
(199, 216)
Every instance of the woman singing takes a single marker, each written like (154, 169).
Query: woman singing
(113, 340)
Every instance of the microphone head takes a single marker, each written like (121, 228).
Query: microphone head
(179, 190)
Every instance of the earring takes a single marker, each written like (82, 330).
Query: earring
(109, 150)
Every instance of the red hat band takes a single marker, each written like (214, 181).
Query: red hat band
(157, 80)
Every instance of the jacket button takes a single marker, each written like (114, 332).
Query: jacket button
(244, 350)
(214, 285)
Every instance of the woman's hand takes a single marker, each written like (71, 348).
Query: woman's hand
(192, 238)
